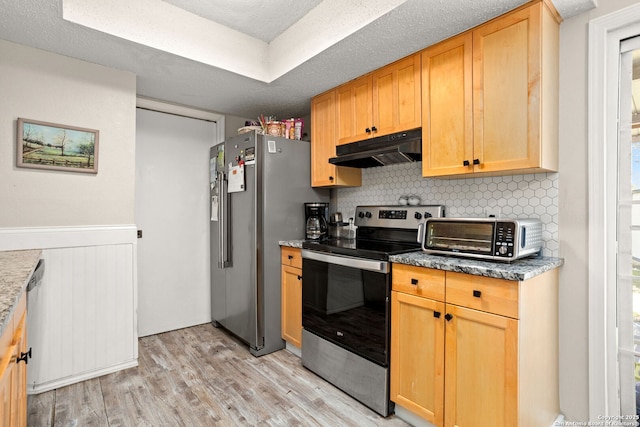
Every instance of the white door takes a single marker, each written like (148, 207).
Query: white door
(172, 196)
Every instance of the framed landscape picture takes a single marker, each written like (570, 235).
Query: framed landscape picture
(51, 146)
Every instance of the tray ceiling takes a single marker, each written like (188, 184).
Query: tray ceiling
(245, 57)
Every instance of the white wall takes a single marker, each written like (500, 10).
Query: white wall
(573, 220)
(43, 86)
(84, 279)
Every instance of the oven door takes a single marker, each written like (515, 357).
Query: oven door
(345, 300)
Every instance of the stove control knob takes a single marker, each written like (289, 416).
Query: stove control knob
(427, 215)
(368, 214)
(502, 250)
(417, 215)
(360, 214)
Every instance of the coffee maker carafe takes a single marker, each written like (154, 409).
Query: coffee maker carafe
(316, 214)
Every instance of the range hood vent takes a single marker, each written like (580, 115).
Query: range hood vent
(401, 147)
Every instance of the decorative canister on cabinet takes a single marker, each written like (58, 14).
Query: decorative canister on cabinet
(274, 128)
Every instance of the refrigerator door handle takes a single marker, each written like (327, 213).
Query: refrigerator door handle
(223, 242)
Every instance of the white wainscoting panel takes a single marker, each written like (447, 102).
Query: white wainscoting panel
(81, 320)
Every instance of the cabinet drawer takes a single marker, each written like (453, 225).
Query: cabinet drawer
(487, 294)
(420, 281)
(291, 257)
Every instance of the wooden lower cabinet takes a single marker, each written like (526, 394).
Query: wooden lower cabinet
(291, 277)
(481, 359)
(417, 355)
(13, 375)
(466, 364)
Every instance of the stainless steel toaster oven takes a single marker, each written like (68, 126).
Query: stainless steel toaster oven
(498, 239)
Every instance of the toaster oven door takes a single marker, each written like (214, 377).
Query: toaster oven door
(460, 236)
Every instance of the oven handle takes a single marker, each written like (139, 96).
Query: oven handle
(360, 263)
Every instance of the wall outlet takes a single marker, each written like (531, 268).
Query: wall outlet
(493, 211)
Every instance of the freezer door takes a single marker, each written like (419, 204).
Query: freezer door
(218, 218)
(242, 309)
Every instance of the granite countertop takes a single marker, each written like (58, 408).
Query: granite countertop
(292, 243)
(16, 268)
(519, 270)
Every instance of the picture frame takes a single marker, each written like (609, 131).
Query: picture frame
(44, 145)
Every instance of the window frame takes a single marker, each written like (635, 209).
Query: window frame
(605, 35)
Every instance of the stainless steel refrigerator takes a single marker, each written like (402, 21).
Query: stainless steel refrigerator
(259, 184)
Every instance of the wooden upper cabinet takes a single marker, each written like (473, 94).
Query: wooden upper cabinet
(323, 146)
(513, 96)
(515, 116)
(397, 102)
(447, 107)
(354, 110)
(380, 103)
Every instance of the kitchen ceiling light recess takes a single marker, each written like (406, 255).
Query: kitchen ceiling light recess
(163, 26)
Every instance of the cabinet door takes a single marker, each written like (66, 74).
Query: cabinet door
(481, 383)
(323, 146)
(354, 110)
(7, 378)
(292, 305)
(447, 110)
(19, 406)
(417, 355)
(507, 94)
(396, 97)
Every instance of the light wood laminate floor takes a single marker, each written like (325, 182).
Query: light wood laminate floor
(201, 376)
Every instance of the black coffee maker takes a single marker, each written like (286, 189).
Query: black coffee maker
(316, 214)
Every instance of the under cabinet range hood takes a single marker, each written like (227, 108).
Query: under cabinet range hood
(400, 147)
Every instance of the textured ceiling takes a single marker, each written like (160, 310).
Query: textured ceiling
(172, 77)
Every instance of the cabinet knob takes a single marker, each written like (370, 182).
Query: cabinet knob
(374, 129)
(465, 163)
(290, 256)
(436, 314)
(477, 294)
(299, 277)
(414, 281)
(330, 178)
(476, 161)
(448, 316)
(367, 130)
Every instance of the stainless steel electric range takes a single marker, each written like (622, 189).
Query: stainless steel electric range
(346, 300)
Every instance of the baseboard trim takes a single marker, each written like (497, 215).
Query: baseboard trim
(416, 421)
(411, 418)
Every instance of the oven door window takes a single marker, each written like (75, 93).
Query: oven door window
(476, 238)
(347, 306)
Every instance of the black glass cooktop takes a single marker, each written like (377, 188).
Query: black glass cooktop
(362, 248)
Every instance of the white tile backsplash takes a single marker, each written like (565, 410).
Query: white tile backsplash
(514, 196)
